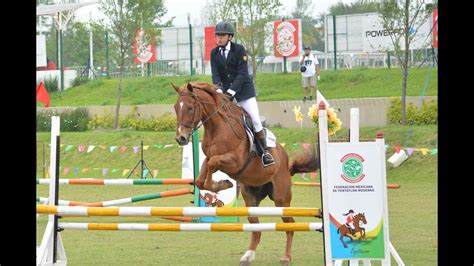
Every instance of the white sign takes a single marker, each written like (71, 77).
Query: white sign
(365, 33)
(41, 51)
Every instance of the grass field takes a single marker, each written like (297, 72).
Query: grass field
(356, 83)
(412, 208)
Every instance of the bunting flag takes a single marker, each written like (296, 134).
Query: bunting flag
(409, 151)
(69, 147)
(283, 144)
(66, 170)
(104, 171)
(112, 148)
(81, 148)
(397, 149)
(168, 145)
(155, 172)
(158, 146)
(84, 170)
(135, 172)
(125, 171)
(90, 148)
(114, 170)
(314, 175)
(61, 145)
(434, 151)
(320, 97)
(76, 170)
(386, 147)
(146, 147)
(103, 147)
(135, 149)
(302, 174)
(145, 172)
(424, 151)
(123, 149)
(42, 94)
(295, 144)
(306, 146)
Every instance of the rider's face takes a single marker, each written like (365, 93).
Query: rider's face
(222, 39)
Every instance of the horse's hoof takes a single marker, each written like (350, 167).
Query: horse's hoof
(245, 263)
(284, 261)
(224, 184)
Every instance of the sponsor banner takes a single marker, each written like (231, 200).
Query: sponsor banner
(286, 38)
(435, 28)
(209, 41)
(355, 200)
(144, 47)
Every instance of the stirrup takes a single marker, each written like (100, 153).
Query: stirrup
(271, 157)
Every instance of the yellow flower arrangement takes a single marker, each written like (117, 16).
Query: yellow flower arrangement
(334, 123)
(298, 114)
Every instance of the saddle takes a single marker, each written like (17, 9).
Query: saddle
(249, 128)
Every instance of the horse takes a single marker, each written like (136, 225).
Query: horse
(226, 146)
(344, 230)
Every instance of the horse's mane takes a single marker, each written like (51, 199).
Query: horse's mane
(207, 87)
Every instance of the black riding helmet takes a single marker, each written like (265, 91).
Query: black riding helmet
(224, 27)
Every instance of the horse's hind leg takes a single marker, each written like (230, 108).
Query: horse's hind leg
(281, 195)
(252, 198)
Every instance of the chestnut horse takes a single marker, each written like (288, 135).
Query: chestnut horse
(344, 231)
(226, 147)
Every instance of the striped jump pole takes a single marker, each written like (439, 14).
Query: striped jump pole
(118, 182)
(109, 203)
(256, 227)
(312, 184)
(178, 211)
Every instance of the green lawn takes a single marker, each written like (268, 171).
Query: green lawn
(355, 83)
(412, 208)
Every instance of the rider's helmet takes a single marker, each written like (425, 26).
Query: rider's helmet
(224, 27)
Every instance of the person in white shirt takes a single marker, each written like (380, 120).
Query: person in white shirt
(310, 64)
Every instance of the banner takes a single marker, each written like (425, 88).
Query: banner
(209, 41)
(144, 47)
(435, 28)
(285, 38)
(41, 60)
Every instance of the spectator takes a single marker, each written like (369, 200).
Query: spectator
(309, 70)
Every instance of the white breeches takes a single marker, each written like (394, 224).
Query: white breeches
(251, 107)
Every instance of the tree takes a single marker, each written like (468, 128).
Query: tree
(126, 16)
(311, 35)
(359, 7)
(402, 19)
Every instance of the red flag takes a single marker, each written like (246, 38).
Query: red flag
(42, 94)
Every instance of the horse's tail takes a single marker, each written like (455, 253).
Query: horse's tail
(305, 162)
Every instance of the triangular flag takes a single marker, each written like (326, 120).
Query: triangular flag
(159, 146)
(146, 147)
(306, 146)
(302, 174)
(155, 172)
(84, 170)
(123, 149)
(66, 170)
(145, 172)
(295, 144)
(314, 175)
(104, 171)
(69, 147)
(90, 148)
(81, 148)
(168, 145)
(95, 168)
(61, 145)
(102, 147)
(76, 170)
(112, 148)
(114, 170)
(320, 97)
(424, 151)
(135, 172)
(409, 151)
(125, 171)
(42, 94)
(434, 151)
(135, 149)
(386, 146)
(397, 149)
(283, 144)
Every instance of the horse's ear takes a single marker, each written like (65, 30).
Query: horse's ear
(178, 89)
(190, 87)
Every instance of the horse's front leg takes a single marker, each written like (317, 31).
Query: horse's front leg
(202, 175)
(213, 164)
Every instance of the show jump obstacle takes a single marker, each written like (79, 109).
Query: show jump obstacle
(353, 183)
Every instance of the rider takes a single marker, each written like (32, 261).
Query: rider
(349, 222)
(231, 76)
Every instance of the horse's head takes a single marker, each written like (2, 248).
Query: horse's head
(188, 113)
(362, 217)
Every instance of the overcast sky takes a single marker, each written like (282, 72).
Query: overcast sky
(181, 8)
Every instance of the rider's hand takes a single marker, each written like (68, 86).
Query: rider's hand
(219, 88)
(229, 96)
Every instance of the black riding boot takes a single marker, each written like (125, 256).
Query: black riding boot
(267, 158)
